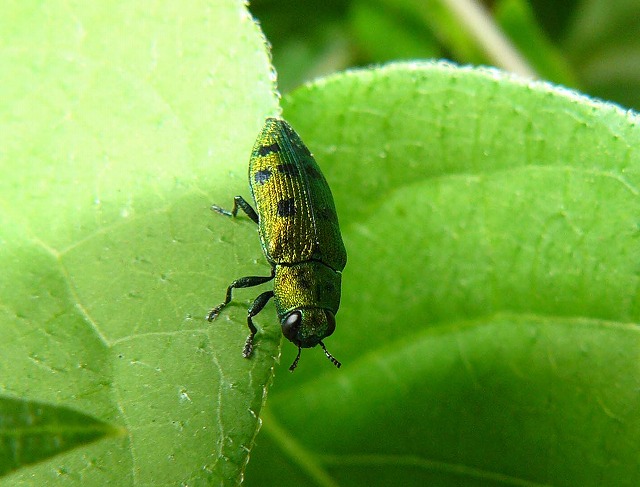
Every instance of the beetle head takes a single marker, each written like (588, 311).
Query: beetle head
(306, 327)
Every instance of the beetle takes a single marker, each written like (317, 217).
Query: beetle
(300, 237)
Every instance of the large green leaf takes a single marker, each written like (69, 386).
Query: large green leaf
(603, 42)
(489, 323)
(121, 122)
(518, 21)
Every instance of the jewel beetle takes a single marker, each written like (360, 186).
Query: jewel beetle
(300, 237)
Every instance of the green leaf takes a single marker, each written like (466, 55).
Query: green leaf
(489, 321)
(121, 124)
(603, 42)
(32, 432)
(404, 37)
(517, 19)
(310, 38)
(444, 22)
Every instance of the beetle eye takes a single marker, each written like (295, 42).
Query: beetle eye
(291, 324)
(331, 322)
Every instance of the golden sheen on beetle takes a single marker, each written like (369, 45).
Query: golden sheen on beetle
(300, 237)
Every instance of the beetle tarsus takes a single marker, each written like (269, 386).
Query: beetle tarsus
(248, 346)
(211, 315)
(238, 202)
(222, 211)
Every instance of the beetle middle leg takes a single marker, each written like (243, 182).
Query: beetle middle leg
(254, 309)
(238, 202)
(248, 281)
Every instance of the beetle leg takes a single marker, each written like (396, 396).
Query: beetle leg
(254, 309)
(238, 202)
(293, 366)
(248, 281)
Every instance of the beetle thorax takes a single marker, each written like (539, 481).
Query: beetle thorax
(306, 285)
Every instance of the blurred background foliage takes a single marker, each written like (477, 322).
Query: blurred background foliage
(589, 45)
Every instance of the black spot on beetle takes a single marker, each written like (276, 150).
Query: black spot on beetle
(313, 172)
(286, 207)
(294, 138)
(262, 176)
(288, 169)
(268, 149)
(305, 281)
(289, 131)
(326, 214)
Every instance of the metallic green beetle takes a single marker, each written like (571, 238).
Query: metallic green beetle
(300, 237)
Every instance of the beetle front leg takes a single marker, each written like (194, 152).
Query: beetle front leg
(238, 202)
(248, 281)
(254, 309)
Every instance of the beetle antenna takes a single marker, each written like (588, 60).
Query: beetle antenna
(329, 356)
(295, 362)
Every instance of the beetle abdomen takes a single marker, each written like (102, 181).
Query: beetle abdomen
(297, 216)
